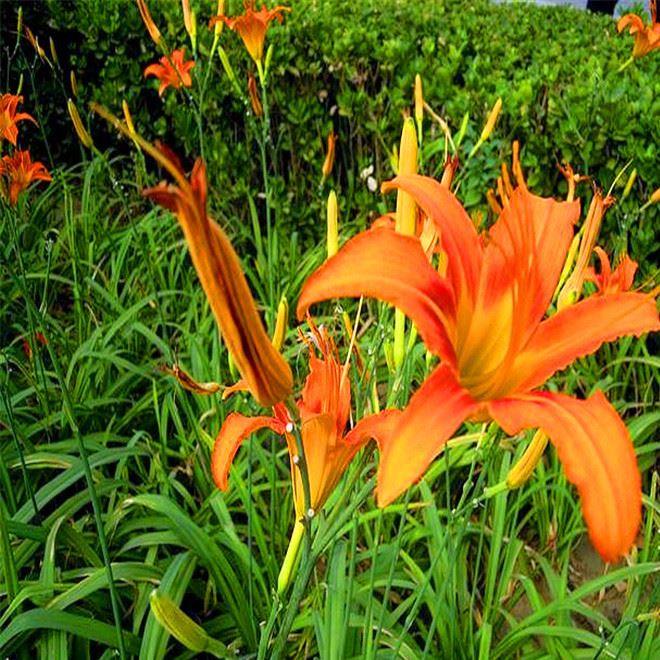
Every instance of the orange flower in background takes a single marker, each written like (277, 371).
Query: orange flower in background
(485, 319)
(263, 369)
(172, 71)
(252, 26)
(9, 117)
(21, 172)
(324, 409)
(647, 37)
(607, 281)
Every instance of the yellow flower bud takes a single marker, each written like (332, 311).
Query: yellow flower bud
(279, 333)
(74, 83)
(405, 221)
(520, 473)
(221, 12)
(225, 64)
(629, 184)
(406, 210)
(419, 105)
(128, 118)
(182, 627)
(492, 119)
(333, 232)
(53, 52)
(81, 131)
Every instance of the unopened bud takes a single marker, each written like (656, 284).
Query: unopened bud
(154, 32)
(333, 231)
(128, 118)
(329, 155)
(219, 24)
(254, 97)
(53, 52)
(419, 105)
(406, 209)
(492, 119)
(225, 64)
(81, 131)
(629, 184)
(280, 324)
(523, 469)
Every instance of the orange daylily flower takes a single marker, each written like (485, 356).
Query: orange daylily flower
(324, 409)
(21, 172)
(252, 26)
(485, 319)
(647, 37)
(9, 117)
(172, 71)
(263, 369)
(608, 282)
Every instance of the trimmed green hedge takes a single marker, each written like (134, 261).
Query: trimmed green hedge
(350, 66)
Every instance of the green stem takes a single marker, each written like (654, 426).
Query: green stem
(263, 142)
(626, 64)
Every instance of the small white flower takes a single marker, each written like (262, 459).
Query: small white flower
(367, 171)
(372, 184)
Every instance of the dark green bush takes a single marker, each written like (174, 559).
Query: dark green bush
(350, 66)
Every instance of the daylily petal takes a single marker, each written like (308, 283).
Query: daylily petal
(326, 458)
(597, 453)
(263, 368)
(324, 390)
(523, 259)
(633, 21)
(435, 411)
(458, 236)
(235, 429)
(579, 330)
(378, 427)
(391, 267)
(528, 246)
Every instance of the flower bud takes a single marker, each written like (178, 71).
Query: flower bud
(81, 131)
(333, 232)
(329, 155)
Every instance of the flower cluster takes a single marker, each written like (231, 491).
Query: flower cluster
(17, 168)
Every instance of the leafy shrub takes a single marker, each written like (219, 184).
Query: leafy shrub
(350, 66)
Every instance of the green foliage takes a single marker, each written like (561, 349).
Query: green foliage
(350, 66)
(94, 435)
